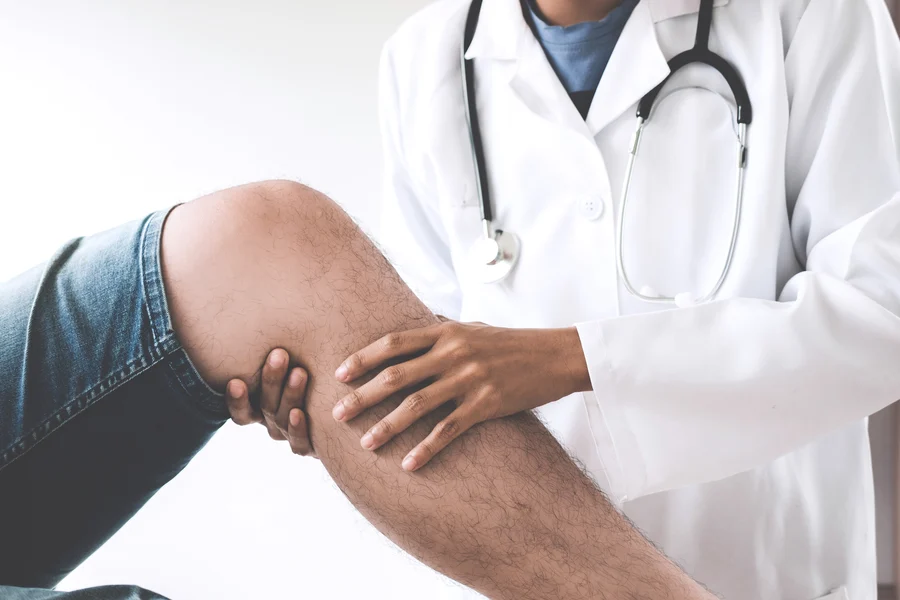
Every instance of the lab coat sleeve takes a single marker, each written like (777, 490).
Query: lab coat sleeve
(692, 395)
(412, 233)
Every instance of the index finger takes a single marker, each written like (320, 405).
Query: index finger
(388, 347)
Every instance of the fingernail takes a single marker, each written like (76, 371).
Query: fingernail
(341, 372)
(409, 463)
(338, 412)
(233, 389)
(367, 441)
(296, 378)
(295, 417)
(276, 359)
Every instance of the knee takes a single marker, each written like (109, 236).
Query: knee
(243, 269)
(287, 219)
(241, 225)
(275, 201)
(269, 209)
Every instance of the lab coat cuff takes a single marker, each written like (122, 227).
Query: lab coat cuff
(614, 438)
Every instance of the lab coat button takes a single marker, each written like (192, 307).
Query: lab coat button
(591, 208)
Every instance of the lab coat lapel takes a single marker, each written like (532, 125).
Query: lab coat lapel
(537, 85)
(636, 66)
(504, 36)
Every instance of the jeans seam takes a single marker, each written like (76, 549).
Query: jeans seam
(150, 266)
(142, 274)
(90, 397)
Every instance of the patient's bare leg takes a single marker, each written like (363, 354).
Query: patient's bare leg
(503, 509)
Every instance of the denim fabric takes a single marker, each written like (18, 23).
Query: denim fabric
(107, 592)
(100, 405)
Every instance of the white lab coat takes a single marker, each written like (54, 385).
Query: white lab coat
(733, 433)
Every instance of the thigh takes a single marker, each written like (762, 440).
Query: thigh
(99, 404)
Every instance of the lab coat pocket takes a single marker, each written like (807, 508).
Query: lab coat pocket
(838, 594)
(680, 210)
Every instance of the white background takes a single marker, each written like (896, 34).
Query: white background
(111, 109)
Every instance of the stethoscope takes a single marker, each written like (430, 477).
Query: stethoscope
(495, 254)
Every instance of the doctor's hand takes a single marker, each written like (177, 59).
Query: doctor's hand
(489, 372)
(281, 401)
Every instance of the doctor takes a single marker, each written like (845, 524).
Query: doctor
(718, 345)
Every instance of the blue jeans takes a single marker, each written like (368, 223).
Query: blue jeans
(100, 405)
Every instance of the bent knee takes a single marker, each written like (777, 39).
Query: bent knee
(255, 210)
(231, 262)
(274, 264)
(245, 224)
(274, 203)
(272, 219)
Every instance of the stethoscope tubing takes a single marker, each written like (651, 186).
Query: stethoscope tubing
(502, 262)
(735, 231)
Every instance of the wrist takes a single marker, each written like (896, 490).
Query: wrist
(571, 363)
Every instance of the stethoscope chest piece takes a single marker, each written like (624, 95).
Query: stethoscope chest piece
(493, 257)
